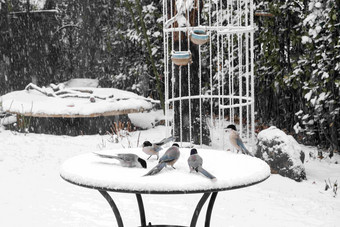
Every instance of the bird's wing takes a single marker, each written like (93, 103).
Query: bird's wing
(167, 158)
(171, 154)
(234, 139)
(243, 147)
(158, 148)
(195, 161)
(156, 169)
(127, 157)
(191, 162)
(165, 140)
(240, 143)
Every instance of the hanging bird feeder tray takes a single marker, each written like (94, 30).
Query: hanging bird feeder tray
(199, 36)
(181, 57)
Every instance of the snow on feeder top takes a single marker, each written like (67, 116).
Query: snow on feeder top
(199, 36)
(181, 57)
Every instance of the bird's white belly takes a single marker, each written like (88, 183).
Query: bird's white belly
(149, 151)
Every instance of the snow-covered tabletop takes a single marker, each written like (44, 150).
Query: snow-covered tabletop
(112, 102)
(231, 170)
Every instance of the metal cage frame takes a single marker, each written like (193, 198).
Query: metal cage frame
(227, 58)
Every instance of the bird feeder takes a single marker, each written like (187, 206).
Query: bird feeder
(201, 99)
(199, 36)
(181, 57)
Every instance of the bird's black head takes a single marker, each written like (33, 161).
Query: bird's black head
(142, 162)
(147, 144)
(193, 151)
(233, 127)
(175, 144)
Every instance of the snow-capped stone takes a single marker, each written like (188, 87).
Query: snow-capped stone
(282, 152)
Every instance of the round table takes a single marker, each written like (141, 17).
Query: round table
(231, 170)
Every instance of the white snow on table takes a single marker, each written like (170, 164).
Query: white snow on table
(32, 102)
(231, 170)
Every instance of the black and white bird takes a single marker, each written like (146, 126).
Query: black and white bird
(170, 157)
(154, 148)
(236, 141)
(126, 160)
(195, 163)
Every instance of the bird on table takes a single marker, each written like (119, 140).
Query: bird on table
(195, 164)
(126, 160)
(169, 158)
(154, 148)
(236, 141)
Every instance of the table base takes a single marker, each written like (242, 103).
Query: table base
(194, 218)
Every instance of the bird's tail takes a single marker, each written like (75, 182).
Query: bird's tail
(245, 150)
(156, 169)
(165, 140)
(108, 156)
(205, 173)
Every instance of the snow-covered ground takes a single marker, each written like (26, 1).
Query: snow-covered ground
(32, 192)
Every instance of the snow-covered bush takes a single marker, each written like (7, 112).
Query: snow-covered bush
(281, 151)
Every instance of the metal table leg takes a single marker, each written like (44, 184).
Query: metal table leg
(113, 206)
(209, 209)
(141, 210)
(198, 209)
(193, 223)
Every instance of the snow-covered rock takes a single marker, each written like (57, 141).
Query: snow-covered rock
(282, 152)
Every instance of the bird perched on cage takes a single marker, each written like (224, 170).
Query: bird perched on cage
(195, 163)
(182, 7)
(170, 157)
(154, 148)
(126, 160)
(236, 141)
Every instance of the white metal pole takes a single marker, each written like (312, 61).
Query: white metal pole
(222, 75)
(218, 66)
(240, 75)
(200, 76)
(165, 51)
(247, 67)
(173, 79)
(180, 92)
(211, 76)
(252, 72)
(189, 86)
